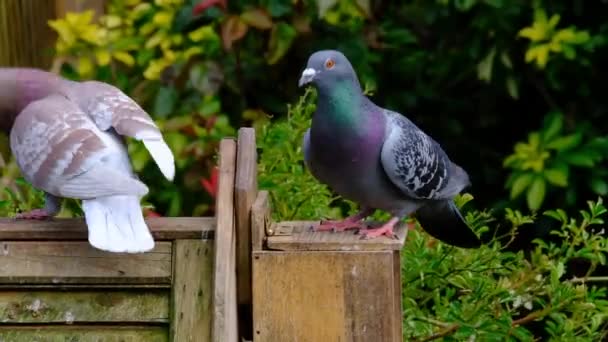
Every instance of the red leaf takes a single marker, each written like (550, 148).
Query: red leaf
(203, 5)
(210, 185)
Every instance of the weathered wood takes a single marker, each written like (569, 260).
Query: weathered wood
(225, 324)
(162, 228)
(191, 303)
(324, 296)
(81, 287)
(83, 334)
(79, 263)
(260, 218)
(89, 306)
(296, 235)
(397, 298)
(246, 190)
(25, 37)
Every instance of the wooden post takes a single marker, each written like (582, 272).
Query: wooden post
(246, 189)
(225, 324)
(323, 286)
(25, 37)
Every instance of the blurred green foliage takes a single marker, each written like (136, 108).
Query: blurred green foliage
(478, 75)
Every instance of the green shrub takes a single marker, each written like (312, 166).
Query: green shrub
(485, 294)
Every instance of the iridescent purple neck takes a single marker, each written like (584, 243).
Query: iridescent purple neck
(18, 88)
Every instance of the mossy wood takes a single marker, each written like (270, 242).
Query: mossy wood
(83, 333)
(55, 287)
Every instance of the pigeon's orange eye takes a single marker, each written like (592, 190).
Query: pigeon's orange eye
(329, 63)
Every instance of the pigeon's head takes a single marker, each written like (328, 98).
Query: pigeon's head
(325, 67)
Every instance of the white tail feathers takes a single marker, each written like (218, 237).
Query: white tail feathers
(162, 155)
(116, 224)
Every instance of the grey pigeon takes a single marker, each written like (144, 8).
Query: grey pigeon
(67, 139)
(378, 158)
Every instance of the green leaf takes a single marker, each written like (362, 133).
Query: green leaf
(557, 175)
(552, 126)
(579, 158)
(165, 101)
(512, 87)
(278, 8)
(484, 68)
(565, 143)
(506, 60)
(281, 38)
(599, 186)
(536, 193)
(520, 183)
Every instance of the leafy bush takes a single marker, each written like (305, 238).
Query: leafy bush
(487, 294)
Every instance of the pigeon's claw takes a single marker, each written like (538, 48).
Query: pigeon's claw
(385, 229)
(36, 214)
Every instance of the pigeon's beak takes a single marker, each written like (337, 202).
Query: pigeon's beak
(307, 76)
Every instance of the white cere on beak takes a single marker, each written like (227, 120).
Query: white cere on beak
(307, 75)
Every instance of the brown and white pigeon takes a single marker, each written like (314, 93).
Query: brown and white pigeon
(67, 139)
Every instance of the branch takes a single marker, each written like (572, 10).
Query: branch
(531, 317)
(583, 280)
(443, 333)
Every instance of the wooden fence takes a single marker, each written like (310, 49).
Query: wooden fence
(25, 37)
(238, 276)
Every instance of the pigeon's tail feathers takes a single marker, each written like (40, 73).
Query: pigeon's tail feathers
(162, 155)
(116, 224)
(443, 221)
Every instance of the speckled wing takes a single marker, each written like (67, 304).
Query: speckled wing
(110, 108)
(61, 151)
(416, 164)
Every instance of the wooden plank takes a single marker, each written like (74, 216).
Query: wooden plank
(225, 323)
(84, 306)
(162, 228)
(300, 237)
(191, 297)
(83, 334)
(81, 287)
(260, 218)
(324, 296)
(398, 310)
(246, 190)
(25, 262)
(25, 37)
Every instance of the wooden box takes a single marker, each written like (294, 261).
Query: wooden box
(323, 286)
(55, 287)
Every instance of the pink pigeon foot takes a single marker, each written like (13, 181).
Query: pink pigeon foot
(36, 214)
(385, 229)
(351, 222)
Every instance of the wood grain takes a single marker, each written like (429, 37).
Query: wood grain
(83, 334)
(225, 324)
(84, 306)
(302, 238)
(246, 190)
(28, 262)
(162, 228)
(25, 37)
(260, 217)
(192, 279)
(324, 296)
